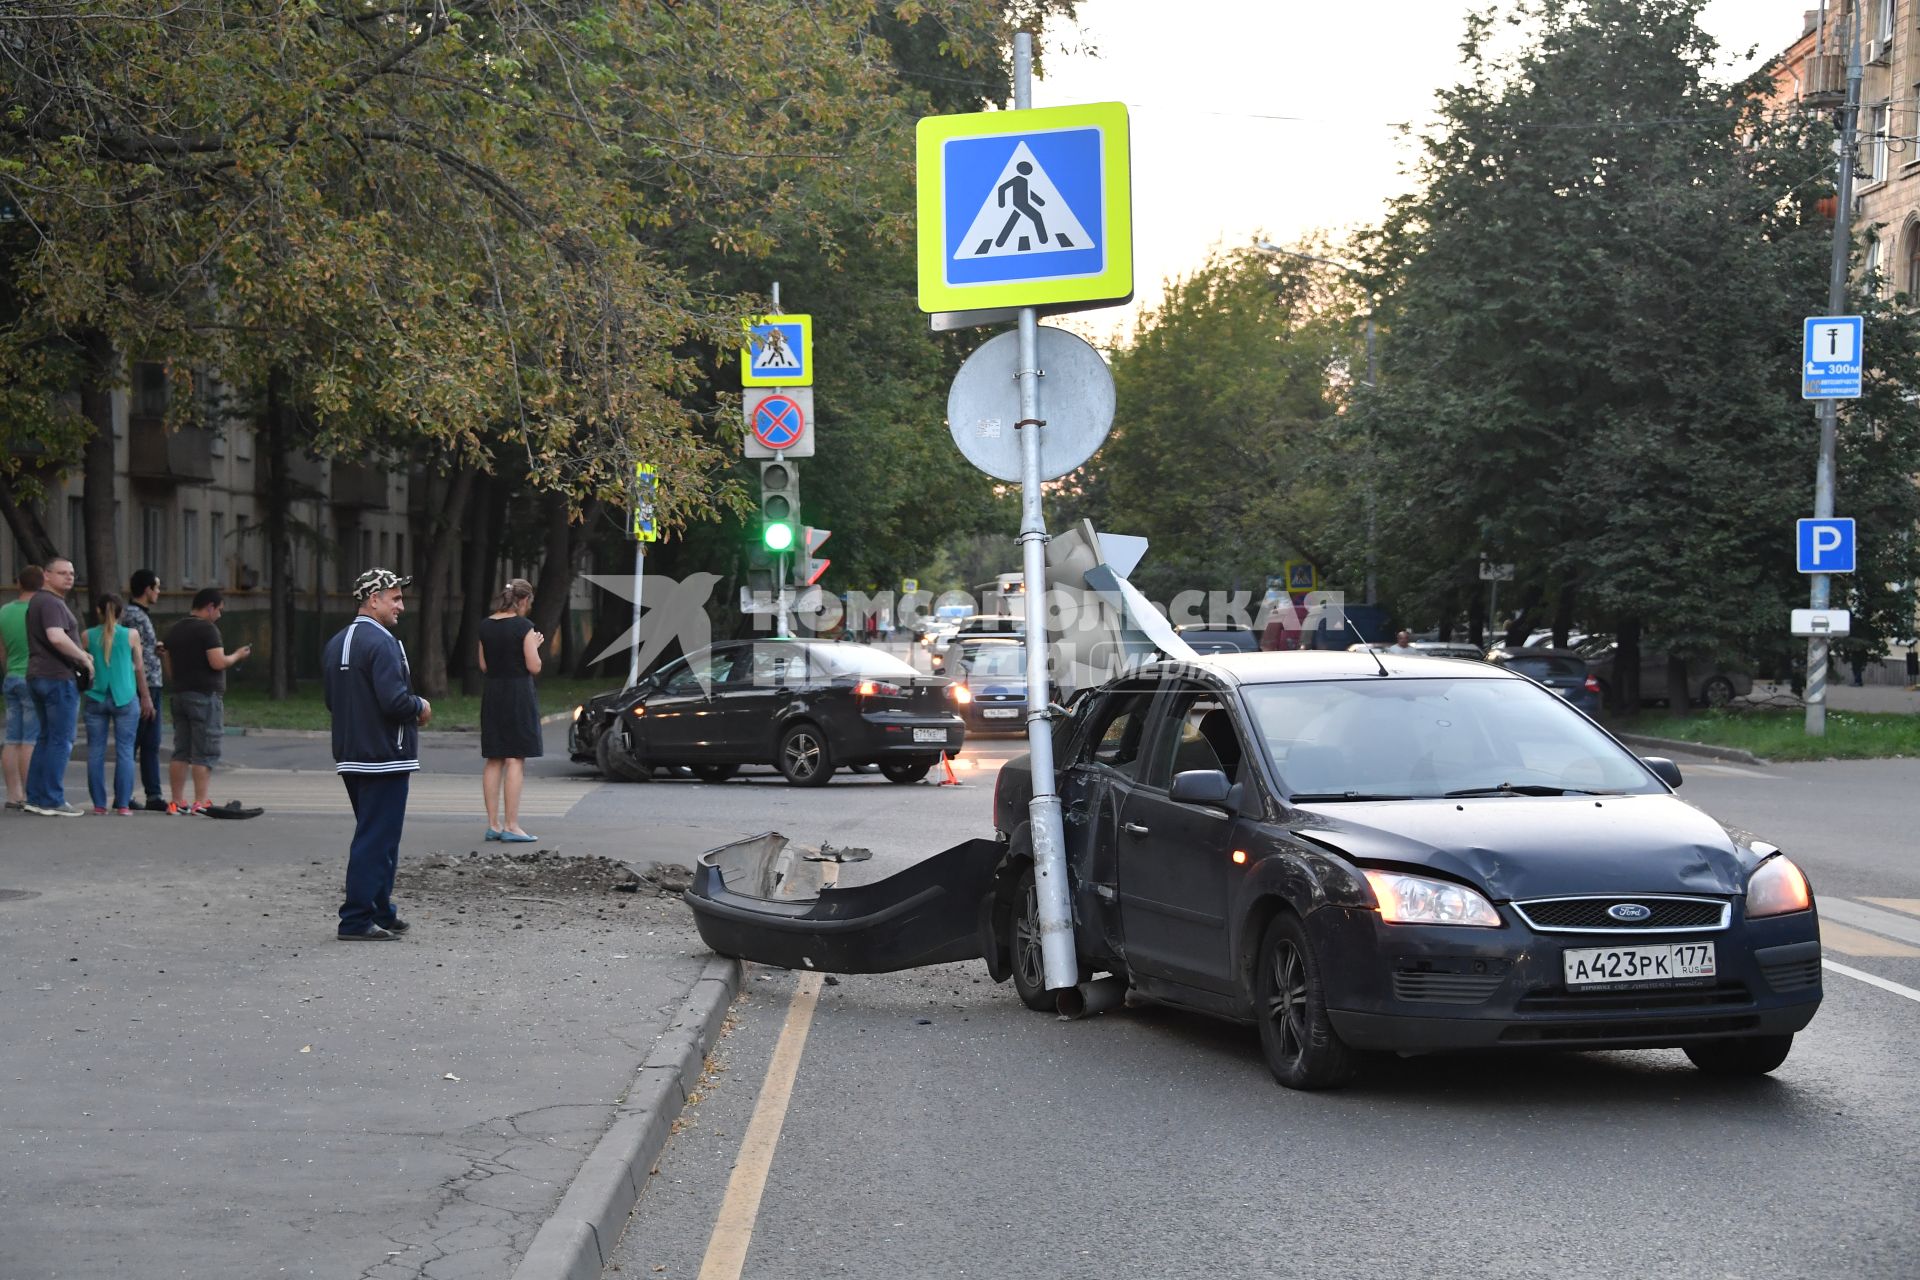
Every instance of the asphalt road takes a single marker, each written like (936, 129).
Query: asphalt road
(935, 1127)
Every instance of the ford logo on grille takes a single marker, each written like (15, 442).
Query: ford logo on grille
(1630, 912)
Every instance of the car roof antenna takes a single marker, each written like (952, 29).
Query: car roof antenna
(1367, 648)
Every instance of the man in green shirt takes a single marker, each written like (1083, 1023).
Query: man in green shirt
(23, 721)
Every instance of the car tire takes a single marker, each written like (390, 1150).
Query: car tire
(616, 762)
(905, 771)
(1717, 692)
(715, 772)
(1024, 957)
(1739, 1055)
(805, 758)
(1290, 1004)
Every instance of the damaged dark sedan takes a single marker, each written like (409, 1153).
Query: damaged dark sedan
(1353, 853)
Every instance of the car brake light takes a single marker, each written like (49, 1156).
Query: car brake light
(640, 710)
(877, 689)
(1593, 684)
(960, 693)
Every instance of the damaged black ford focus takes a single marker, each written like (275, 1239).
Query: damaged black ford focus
(1353, 853)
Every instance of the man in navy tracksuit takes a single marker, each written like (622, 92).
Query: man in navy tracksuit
(376, 743)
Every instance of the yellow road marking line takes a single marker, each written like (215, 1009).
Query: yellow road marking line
(1850, 941)
(1909, 905)
(726, 1254)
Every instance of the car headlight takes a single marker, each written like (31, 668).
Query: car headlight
(1406, 899)
(1777, 887)
(577, 710)
(960, 693)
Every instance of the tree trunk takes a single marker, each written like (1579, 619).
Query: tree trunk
(580, 653)
(1563, 614)
(484, 518)
(1626, 667)
(436, 581)
(1522, 625)
(1477, 617)
(550, 590)
(274, 445)
(1678, 701)
(29, 525)
(96, 498)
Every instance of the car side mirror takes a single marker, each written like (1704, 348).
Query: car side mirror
(1664, 769)
(1201, 786)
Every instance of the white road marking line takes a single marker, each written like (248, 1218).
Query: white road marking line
(1872, 980)
(1726, 770)
(726, 1254)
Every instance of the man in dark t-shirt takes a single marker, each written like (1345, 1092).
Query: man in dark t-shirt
(198, 669)
(55, 651)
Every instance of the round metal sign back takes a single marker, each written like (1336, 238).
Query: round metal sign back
(1076, 402)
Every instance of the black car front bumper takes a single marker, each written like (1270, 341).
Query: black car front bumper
(1428, 987)
(763, 899)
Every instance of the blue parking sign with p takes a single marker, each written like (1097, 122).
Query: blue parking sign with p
(1826, 546)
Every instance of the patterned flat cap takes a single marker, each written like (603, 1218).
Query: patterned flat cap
(377, 580)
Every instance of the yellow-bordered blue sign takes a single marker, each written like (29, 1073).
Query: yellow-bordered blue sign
(1025, 208)
(646, 485)
(779, 352)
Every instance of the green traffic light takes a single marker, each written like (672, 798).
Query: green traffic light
(778, 537)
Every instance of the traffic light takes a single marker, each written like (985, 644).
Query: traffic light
(808, 568)
(779, 505)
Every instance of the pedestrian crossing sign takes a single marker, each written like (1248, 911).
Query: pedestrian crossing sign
(1025, 208)
(778, 353)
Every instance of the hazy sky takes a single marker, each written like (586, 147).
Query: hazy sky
(1279, 116)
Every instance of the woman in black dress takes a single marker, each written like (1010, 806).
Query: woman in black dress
(509, 712)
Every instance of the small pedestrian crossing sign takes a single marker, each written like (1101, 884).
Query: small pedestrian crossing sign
(779, 352)
(1025, 208)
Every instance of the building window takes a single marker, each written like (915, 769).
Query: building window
(386, 544)
(77, 536)
(400, 554)
(216, 550)
(1876, 157)
(149, 390)
(189, 546)
(153, 540)
(366, 551)
(1883, 25)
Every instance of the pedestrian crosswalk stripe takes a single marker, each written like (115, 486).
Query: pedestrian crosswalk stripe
(1873, 980)
(1909, 905)
(1849, 941)
(1023, 213)
(1893, 925)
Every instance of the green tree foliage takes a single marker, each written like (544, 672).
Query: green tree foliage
(1592, 311)
(1226, 392)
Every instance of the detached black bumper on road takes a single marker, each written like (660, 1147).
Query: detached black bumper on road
(1414, 987)
(761, 900)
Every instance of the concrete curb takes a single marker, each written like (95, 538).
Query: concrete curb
(426, 735)
(577, 1241)
(1692, 748)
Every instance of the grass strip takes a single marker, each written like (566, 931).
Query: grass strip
(1774, 734)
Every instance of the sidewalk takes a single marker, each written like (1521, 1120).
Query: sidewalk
(203, 1082)
(1842, 696)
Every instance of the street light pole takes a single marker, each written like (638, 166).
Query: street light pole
(1373, 381)
(1821, 594)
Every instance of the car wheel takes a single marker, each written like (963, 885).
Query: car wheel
(715, 772)
(906, 770)
(1717, 692)
(1740, 1055)
(805, 759)
(1023, 942)
(1302, 1049)
(616, 762)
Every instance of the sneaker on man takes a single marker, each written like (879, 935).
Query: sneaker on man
(62, 811)
(157, 805)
